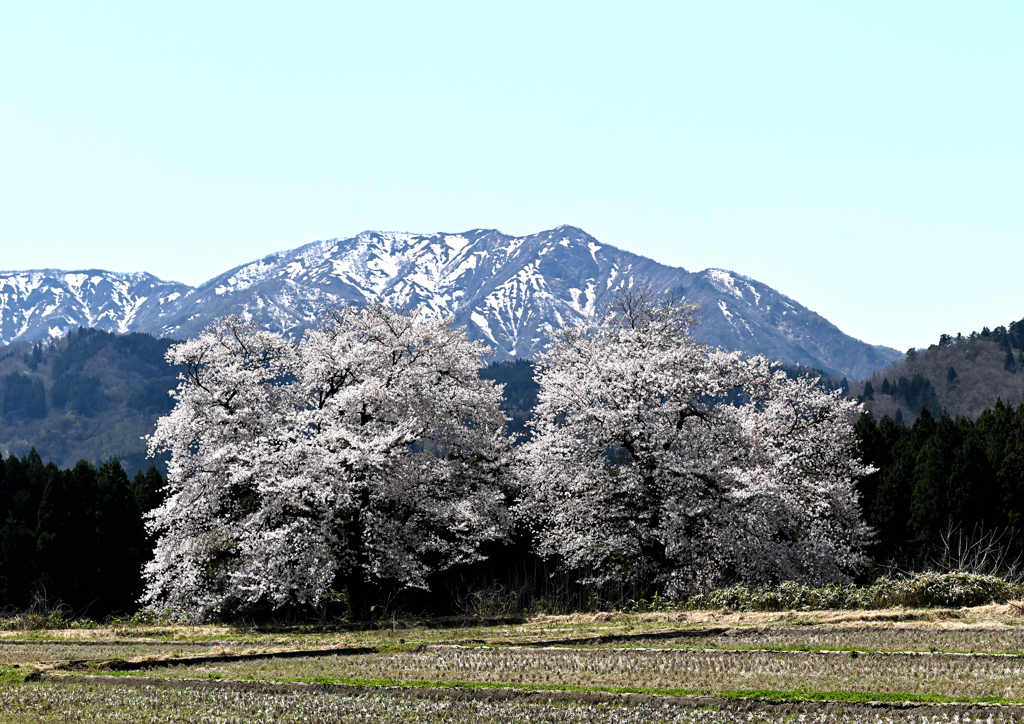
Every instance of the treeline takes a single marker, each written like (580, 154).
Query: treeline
(74, 536)
(941, 472)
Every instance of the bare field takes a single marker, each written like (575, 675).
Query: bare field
(849, 658)
(707, 671)
(861, 638)
(1004, 640)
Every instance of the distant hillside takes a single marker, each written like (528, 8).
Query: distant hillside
(91, 395)
(962, 375)
(519, 393)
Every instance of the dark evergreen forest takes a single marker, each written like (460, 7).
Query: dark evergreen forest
(73, 537)
(520, 392)
(940, 473)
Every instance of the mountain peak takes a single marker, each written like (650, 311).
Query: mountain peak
(508, 291)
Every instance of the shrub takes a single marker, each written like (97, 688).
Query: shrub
(918, 590)
(944, 589)
(33, 620)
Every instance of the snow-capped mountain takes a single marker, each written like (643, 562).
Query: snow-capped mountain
(507, 291)
(48, 302)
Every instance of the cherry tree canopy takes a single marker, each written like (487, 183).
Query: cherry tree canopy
(371, 445)
(658, 459)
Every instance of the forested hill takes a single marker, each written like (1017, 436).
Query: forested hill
(91, 395)
(962, 375)
(519, 393)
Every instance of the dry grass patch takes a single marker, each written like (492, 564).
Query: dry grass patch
(181, 632)
(25, 652)
(542, 627)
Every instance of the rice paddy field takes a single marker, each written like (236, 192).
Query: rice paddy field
(936, 665)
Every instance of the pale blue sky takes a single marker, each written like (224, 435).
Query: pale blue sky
(864, 158)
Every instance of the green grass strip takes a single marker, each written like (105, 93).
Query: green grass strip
(15, 674)
(770, 695)
(859, 697)
(760, 694)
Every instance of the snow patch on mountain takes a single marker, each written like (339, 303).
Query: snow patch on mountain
(724, 282)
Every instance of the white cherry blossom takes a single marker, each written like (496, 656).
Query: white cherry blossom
(657, 459)
(371, 444)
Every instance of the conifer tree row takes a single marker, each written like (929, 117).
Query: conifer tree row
(940, 473)
(74, 536)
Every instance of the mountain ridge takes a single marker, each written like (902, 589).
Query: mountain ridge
(507, 290)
